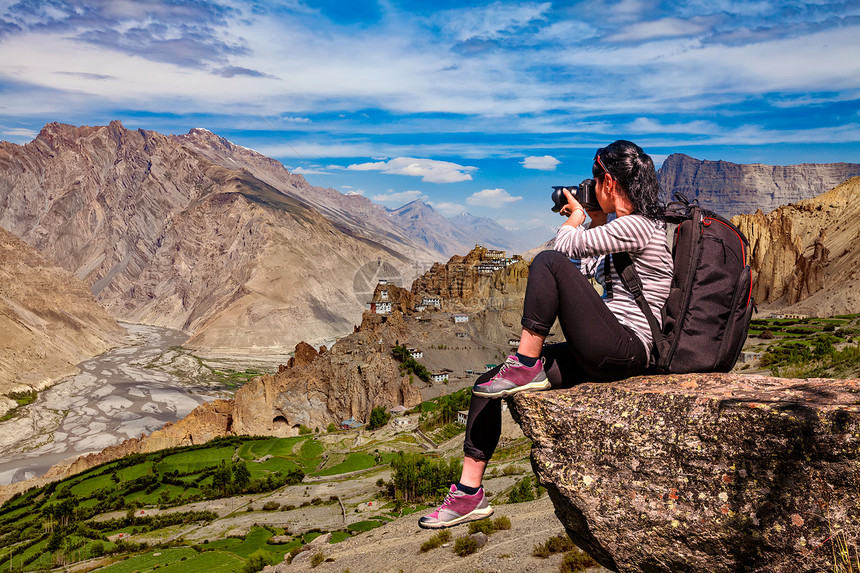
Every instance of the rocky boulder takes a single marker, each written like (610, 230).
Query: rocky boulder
(713, 472)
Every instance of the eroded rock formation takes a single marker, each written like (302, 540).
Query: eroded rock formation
(806, 255)
(348, 381)
(731, 188)
(701, 472)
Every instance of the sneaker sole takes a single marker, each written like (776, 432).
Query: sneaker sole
(540, 385)
(471, 516)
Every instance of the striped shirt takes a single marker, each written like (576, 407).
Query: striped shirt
(645, 240)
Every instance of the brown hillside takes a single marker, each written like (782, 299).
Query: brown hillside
(48, 320)
(164, 236)
(806, 255)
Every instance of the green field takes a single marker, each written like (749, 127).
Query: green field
(353, 462)
(76, 518)
(195, 461)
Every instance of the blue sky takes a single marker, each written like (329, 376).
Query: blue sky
(471, 106)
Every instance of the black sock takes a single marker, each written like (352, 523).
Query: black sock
(468, 489)
(526, 360)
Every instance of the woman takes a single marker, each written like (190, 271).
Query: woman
(607, 337)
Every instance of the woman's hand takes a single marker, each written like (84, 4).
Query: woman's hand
(573, 210)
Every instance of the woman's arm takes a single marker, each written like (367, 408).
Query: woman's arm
(630, 233)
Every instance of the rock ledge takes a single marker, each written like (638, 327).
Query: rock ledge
(701, 472)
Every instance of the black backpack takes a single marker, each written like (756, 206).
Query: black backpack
(707, 314)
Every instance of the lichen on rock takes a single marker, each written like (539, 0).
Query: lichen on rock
(703, 472)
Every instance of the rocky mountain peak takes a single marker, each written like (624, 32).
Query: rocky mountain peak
(731, 188)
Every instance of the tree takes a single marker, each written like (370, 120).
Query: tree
(241, 476)
(257, 560)
(221, 478)
(379, 416)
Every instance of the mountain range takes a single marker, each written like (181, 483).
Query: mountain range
(196, 233)
(731, 188)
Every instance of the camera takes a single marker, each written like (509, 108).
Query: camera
(584, 193)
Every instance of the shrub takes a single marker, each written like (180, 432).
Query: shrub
(555, 544)
(271, 506)
(257, 560)
(502, 523)
(522, 491)
(575, 562)
(317, 558)
(465, 546)
(439, 539)
(97, 549)
(304, 430)
(484, 526)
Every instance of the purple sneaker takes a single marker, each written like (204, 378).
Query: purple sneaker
(458, 507)
(513, 377)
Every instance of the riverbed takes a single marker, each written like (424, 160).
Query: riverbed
(118, 395)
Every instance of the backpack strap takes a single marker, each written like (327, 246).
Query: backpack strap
(631, 280)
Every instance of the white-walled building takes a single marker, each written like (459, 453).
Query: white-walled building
(432, 301)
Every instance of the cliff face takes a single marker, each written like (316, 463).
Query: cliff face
(48, 319)
(162, 235)
(700, 472)
(731, 189)
(348, 381)
(805, 255)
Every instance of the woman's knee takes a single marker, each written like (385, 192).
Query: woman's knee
(549, 258)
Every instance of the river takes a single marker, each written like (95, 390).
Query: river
(118, 395)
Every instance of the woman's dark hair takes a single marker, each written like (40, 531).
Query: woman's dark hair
(634, 171)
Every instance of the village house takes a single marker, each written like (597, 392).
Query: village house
(439, 377)
(432, 301)
(397, 410)
(460, 335)
(350, 424)
(462, 416)
(380, 307)
(415, 353)
(460, 318)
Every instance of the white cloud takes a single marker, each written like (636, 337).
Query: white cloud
(398, 198)
(296, 119)
(447, 208)
(491, 198)
(663, 28)
(544, 163)
(19, 133)
(649, 125)
(491, 21)
(429, 170)
(310, 171)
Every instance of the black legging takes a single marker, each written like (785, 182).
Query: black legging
(598, 347)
